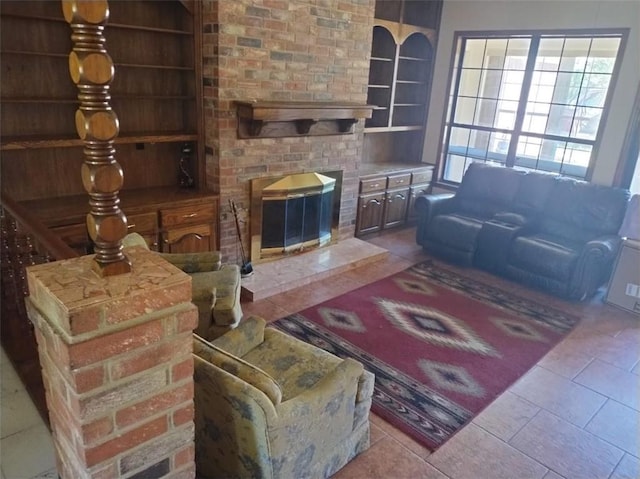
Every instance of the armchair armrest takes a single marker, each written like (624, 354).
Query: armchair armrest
(195, 262)
(429, 206)
(341, 382)
(239, 341)
(594, 266)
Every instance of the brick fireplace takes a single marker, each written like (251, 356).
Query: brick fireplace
(281, 50)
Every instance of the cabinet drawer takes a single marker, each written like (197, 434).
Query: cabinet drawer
(373, 184)
(187, 215)
(142, 223)
(396, 181)
(421, 176)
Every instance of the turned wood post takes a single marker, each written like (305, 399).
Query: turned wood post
(92, 70)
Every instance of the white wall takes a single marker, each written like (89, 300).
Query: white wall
(478, 15)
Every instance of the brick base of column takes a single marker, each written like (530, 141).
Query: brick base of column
(117, 366)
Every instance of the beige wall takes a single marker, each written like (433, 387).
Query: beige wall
(462, 15)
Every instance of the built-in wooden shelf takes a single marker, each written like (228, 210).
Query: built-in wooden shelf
(269, 119)
(37, 142)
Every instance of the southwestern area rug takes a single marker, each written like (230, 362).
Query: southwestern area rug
(442, 346)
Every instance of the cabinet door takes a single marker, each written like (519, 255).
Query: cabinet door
(190, 239)
(395, 207)
(416, 190)
(370, 209)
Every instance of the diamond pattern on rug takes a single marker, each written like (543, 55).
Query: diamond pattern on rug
(451, 378)
(517, 329)
(411, 285)
(342, 319)
(435, 327)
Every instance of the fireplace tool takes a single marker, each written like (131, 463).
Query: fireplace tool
(246, 269)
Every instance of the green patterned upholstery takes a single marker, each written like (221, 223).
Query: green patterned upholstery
(268, 405)
(215, 287)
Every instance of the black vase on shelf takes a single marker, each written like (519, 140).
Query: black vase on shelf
(185, 180)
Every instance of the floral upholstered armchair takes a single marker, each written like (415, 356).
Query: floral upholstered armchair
(215, 287)
(268, 405)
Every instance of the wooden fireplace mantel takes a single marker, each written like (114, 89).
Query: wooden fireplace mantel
(269, 119)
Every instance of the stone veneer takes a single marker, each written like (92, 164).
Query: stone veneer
(285, 50)
(117, 366)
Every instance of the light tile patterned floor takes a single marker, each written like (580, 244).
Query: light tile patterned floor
(575, 415)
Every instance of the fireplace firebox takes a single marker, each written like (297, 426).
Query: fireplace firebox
(292, 213)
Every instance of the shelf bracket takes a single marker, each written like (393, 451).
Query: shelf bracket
(345, 124)
(303, 126)
(255, 127)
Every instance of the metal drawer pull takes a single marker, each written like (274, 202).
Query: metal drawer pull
(131, 226)
(374, 201)
(190, 215)
(198, 237)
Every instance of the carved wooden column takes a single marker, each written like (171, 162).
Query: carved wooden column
(92, 70)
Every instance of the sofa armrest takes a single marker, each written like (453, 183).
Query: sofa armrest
(239, 341)
(510, 218)
(195, 262)
(594, 266)
(429, 206)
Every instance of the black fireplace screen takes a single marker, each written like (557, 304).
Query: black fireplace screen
(293, 222)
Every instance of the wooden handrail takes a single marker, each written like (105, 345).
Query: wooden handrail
(55, 247)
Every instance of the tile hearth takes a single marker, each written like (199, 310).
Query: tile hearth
(277, 276)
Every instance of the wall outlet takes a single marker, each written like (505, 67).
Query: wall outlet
(633, 290)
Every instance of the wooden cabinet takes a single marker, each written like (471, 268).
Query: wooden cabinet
(156, 93)
(189, 229)
(395, 207)
(400, 73)
(385, 199)
(420, 185)
(370, 212)
(169, 219)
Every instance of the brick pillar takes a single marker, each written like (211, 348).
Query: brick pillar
(117, 367)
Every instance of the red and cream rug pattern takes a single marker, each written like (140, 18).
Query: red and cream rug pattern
(442, 346)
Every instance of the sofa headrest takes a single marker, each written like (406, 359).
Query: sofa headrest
(533, 191)
(575, 205)
(487, 189)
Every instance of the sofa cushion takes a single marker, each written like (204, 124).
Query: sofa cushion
(455, 230)
(545, 255)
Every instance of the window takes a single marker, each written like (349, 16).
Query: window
(531, 101)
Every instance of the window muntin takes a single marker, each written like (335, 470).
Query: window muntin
(532, 101)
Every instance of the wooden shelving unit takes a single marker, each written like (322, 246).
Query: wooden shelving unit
(403, 45)
(156, 94)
